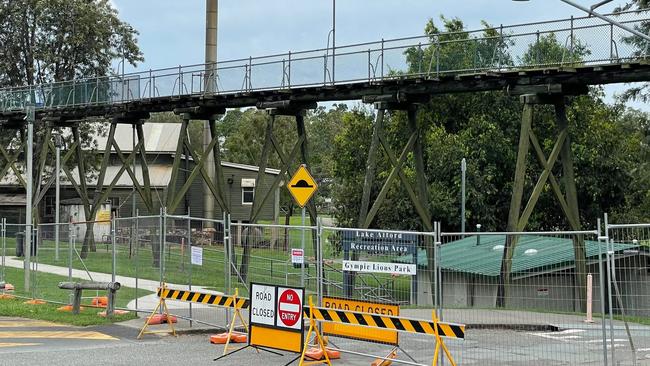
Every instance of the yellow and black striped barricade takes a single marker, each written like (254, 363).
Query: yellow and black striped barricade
(227, 301)
(433, 327)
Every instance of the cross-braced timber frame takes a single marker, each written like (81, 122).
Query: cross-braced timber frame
(299, 155)
(568, 200)
(175, 196)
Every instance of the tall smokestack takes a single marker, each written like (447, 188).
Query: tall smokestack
(211, 21)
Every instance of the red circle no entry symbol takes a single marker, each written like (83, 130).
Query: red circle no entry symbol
(289, 308)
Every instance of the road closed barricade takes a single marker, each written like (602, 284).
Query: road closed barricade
(389, 324)
(161, 312)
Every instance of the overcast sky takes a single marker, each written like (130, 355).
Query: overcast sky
(172, 32)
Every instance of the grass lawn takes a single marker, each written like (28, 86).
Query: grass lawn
(48, 290)
(266, 265)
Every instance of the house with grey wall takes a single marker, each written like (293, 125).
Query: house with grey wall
(241, 184)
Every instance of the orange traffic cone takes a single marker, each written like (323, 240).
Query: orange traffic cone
(34, 302)
(160, 319)
(100, 301)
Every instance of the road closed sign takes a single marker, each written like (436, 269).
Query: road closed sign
(262, 304)
(289, 308)
(275, 317)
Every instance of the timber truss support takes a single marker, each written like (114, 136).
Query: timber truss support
(299, 154)
(10, 155)
(568, 200)
(92, 203)
(417, 193)
(216, 184)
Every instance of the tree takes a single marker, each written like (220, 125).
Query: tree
(609, 145)
(641, 92)
(47, 41)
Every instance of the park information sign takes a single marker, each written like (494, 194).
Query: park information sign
(379, 267)
(371, 251)
(379, 243)
(275, 317)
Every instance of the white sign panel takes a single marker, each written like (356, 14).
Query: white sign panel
(377, 267)
(297, 256)
(262, 304)
(289, 308)
(197, 256)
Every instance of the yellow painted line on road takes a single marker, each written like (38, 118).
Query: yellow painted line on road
(5, 345)
(27, 324)
(57, 335)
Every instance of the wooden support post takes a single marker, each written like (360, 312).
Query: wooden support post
(76, 303)
(572, 201)
(517, 222)
(515, 201)
(89, 238)
(304, 159)
(397, 167)
(261, 170)
(45, 149)
(148, 199)
(371, 166)
(218, 169)
(11, 163)
(176, 166)
(106, 159)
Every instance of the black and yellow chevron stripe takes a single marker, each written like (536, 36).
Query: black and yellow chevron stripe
(448, 330)
(209, 299)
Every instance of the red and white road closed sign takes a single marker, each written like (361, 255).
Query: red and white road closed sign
(289, 308)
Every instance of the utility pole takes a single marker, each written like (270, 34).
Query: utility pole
(333, 41)
(58, 142)
(30, 118)
(211, 22)
(463, 169)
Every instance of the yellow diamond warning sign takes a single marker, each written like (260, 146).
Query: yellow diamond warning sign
(302, 186)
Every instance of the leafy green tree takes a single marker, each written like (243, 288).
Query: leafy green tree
(642, 91)
(547, 50)
(47, 41)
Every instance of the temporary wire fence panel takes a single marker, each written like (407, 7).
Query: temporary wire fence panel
(373, 265)
(266, 254)
(361, 267)
(530, 286)
(630, 291)
(526, 286)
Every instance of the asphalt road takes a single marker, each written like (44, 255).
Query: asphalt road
(37, 343)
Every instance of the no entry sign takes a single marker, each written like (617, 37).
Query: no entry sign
(289, 308)
(275, 317)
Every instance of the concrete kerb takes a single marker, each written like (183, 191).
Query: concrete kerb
(489, 318)
(145, 303)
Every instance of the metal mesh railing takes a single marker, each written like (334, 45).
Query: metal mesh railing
(566, 42)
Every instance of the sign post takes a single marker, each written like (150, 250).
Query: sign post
(302, 187)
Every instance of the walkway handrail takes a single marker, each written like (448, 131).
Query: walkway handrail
(452, 53)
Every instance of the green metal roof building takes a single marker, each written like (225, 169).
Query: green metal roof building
(542, 272)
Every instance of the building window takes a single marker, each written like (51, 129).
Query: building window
(115, 202)
(247, 191)
(50, 203)
(247, 195)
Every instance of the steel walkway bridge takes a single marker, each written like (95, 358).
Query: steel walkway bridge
(514, 59)
(508, 58)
